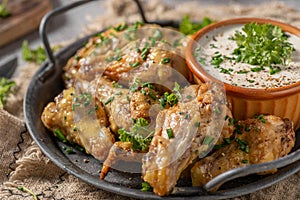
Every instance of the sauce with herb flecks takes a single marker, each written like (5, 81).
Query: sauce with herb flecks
(214, 55)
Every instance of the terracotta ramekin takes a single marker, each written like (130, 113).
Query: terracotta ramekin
(246, 102)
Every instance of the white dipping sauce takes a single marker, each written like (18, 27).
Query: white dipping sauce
(217, 41)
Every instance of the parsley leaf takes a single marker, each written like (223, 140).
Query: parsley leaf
(263, 45)
(37, 55)
(5, 88)
(187, 27)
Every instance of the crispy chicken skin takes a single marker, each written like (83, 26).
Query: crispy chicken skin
(266, 142)
(180, 136)
(60, 115)
(122, 151)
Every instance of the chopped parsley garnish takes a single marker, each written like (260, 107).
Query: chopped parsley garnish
(170, 133)
(146, 187)
(149, 93)
(197, 124)
(6, 86)
(121, 27)
(166, 60)
(245, 161)
(247, 128)
(168, 99)
(116, 57)
(226, 141)
(69, 150)
(238, 128)
(117, 85)
(135, 85)
(144, 53)
(187, 27)
(74, 105)
(60, 135)
(213, 46)
(257, 69)
(187, 116)
(263, 45)
(134, 64)
(109, 100)
(202, 60)
(208, 140)
(135, 135)
(243, 145)
(274, 70)
(217, 111)
(242, 72)
(261, 118)
(216, 60)
(226, 71)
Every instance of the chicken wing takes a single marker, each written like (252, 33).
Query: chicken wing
(91, 134)
(183, 133)
(257, 141)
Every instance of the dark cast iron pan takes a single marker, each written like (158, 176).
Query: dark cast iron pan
(47, 83)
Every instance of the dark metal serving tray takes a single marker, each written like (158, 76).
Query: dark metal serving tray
(47, 83)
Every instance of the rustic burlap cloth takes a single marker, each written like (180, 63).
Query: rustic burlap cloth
(23, 164)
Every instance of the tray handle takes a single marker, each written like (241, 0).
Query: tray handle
(63, 9)
(216, 182)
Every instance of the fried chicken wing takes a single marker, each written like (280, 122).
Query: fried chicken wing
(60, 115)
(182, 133)
(256, 141)
(115, 53)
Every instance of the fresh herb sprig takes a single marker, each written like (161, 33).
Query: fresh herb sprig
(6, 86)
(187, 27)
(37, 55)
(262, 45)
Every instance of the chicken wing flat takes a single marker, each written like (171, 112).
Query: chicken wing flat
(256, 141)
(59, 116)
(182, 133)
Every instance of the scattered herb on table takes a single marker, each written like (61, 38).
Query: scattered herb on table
(263, 45)
(24, 189)
(3, 9)
(6, 86)
(188, 27)
(37, 55)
